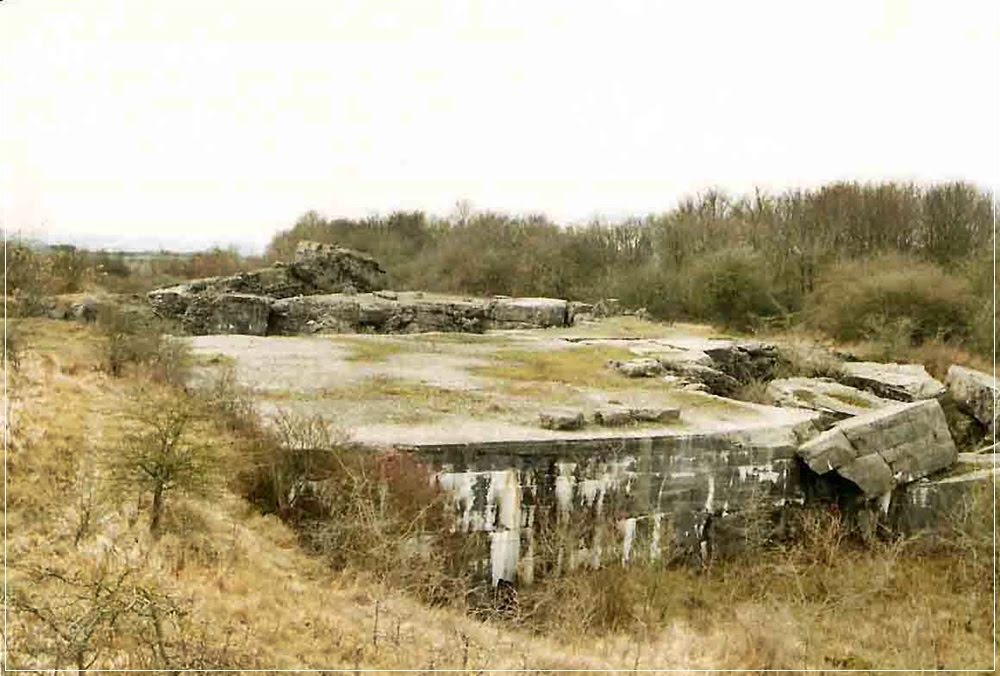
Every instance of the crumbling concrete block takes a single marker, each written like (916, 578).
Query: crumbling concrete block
(827, 451)
(613, 416)
(900, 382)
(227, 313)
(561, 419)
(975, 392)
(638, 368)
(870, 473)
(654, 414)
(528, 313)
(911, 441)
(834, 400)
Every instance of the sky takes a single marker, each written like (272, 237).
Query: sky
(191, 123)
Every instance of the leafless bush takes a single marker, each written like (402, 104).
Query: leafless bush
(82, 615)
(160, 453)
(128, 339)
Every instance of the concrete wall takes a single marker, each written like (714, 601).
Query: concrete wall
(623, 499)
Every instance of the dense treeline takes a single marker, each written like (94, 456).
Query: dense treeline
(738, 261)
(859, 261)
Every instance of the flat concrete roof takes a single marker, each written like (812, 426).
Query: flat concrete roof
(449, 388)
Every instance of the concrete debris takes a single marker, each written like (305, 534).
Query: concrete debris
(652, 414)
(227, 313)
(528, 313)
(975, 392)
(710, 379)
(332, 289)
(638, 368)
(901, 382)
(412, 313)
(616, 415)
(561, 420)
(834, 400)
(317, 269)
(884, 448)
(613, 416)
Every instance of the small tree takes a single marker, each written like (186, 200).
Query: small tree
(160, 454)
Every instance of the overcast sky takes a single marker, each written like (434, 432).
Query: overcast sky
(189, 123)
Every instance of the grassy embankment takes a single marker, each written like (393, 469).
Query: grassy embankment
(225, 586)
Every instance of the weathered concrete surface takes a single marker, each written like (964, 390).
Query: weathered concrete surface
(413, 312)
(317, 268)
(900, 382)
(330, 269)
(720, 366)
(881, 449)
(561, 419)
(991, 459)
(227, 313)
(528, 313)
(945, 506)
(832, 399)
(975, 392)
(639, 368)
(620, 500)
(683, 458)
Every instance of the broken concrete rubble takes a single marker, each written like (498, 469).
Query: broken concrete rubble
(227, 313)
(834, 400)
(317, 268)
(412, 313)
(975, 392)
(943, 504)
(884, 448)
(638, 368)
(332, 289)
(561, 419)
(613, 416)
(746, 362)
(901, 382)
(719, 366)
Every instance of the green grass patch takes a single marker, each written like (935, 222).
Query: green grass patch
(371, 350)
(584, 366)
(396, 400)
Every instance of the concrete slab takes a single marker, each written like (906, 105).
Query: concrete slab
(437, 389)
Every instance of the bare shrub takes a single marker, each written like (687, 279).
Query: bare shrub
(85, 614)
(159, 453)
(128, 339)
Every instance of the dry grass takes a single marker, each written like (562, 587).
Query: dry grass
(251, 597)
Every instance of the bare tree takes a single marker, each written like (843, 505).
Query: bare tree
(161, 454)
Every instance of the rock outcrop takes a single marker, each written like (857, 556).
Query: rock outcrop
(901, 382)
(975, 392)
(834, 400)
(882, 449)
